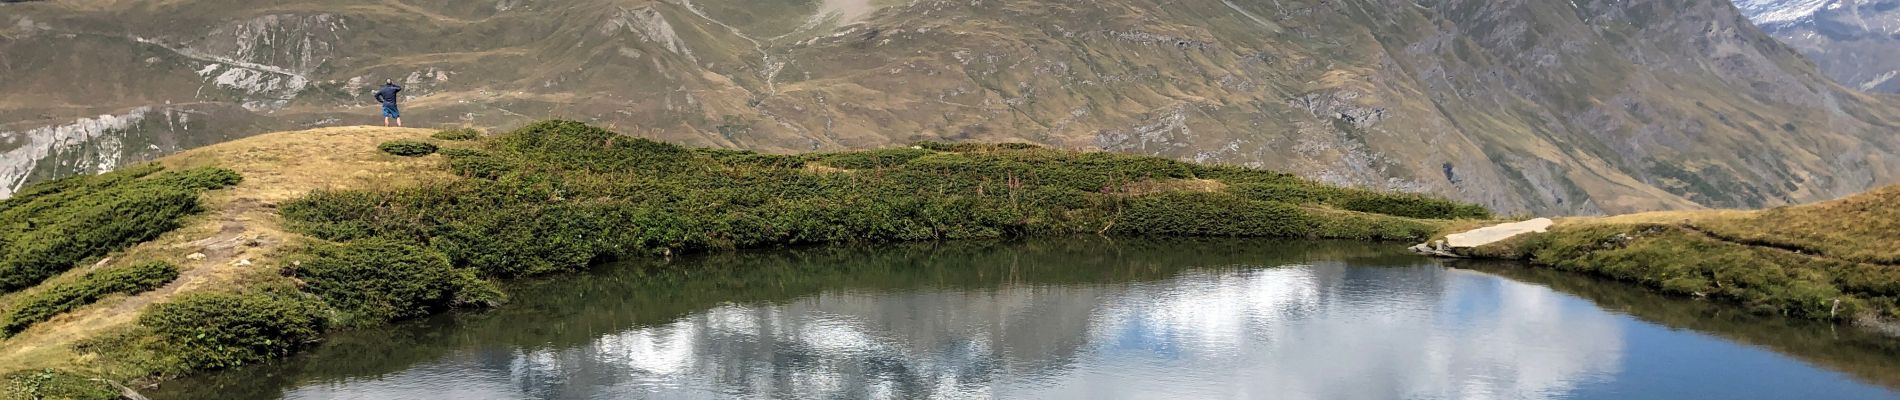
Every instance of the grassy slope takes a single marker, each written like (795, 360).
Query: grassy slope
(244, 241)
(241, 225)
(1836, 260)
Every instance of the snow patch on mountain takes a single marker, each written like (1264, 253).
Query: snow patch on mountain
(1770, 12)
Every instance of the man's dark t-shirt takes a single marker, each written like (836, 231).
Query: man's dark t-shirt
(387, 95)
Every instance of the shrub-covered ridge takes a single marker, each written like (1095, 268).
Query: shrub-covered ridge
(49, 228)
(559, 195)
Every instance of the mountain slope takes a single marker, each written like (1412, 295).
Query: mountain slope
(1855, 41)
(1522, 105)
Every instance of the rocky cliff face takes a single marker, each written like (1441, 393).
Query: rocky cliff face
(1857, 42)
(1550, 106)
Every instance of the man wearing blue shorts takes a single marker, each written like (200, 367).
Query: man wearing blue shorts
(387, 96)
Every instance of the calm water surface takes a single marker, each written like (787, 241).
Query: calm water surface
(1081, 319)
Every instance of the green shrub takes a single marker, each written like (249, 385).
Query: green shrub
(87, 289)
(57, 229)
(1411, 205)
(873, 159)
(1288, 192)
(375, 280)
(558, 196)
(218, 330)
(462, 134)
(51, 384)
(474, 164)
(1361, 226)
(1212, 214)
(408, 148)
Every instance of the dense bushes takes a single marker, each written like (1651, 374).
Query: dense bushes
(210, 330)
(557, 195)
(376, 280)
(1395, 204)
(1212, 214)
(408, 148)
(87, 289)
(54, 226)
(474, 164)
(1410, 205)
(462, 134)
(873, 159)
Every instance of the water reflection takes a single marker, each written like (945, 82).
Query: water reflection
(1064, 319)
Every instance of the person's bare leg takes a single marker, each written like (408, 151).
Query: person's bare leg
(385, 121)
(399, 122)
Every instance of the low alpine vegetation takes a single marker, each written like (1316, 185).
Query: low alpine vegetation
(376, 280)
(51, 227)
(212, 330)
(558, 196)
(461, 134)
(408, 148)
(90, 287)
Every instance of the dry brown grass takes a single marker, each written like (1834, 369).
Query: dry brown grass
(240, 237)
(1862, 228)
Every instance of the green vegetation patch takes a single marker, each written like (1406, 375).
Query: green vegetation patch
(67, 296)
(52, 384)
(376, 280)
(51, 227)
(558, 196)
(1395, 204)
(211, 330)
(462, 134)
(1681, 261)
(408, 148)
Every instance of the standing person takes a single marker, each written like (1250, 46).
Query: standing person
(387, 96)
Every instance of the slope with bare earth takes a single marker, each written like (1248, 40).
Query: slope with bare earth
(1552, 106)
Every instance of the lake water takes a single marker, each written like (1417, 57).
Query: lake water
(1087, 318)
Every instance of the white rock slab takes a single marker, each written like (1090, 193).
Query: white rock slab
(1496, 233)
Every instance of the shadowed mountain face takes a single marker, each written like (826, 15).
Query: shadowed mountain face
(1855, 41)
(1523, 105)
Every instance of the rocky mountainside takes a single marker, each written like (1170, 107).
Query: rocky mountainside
(1549, 106)
(1855, 41)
